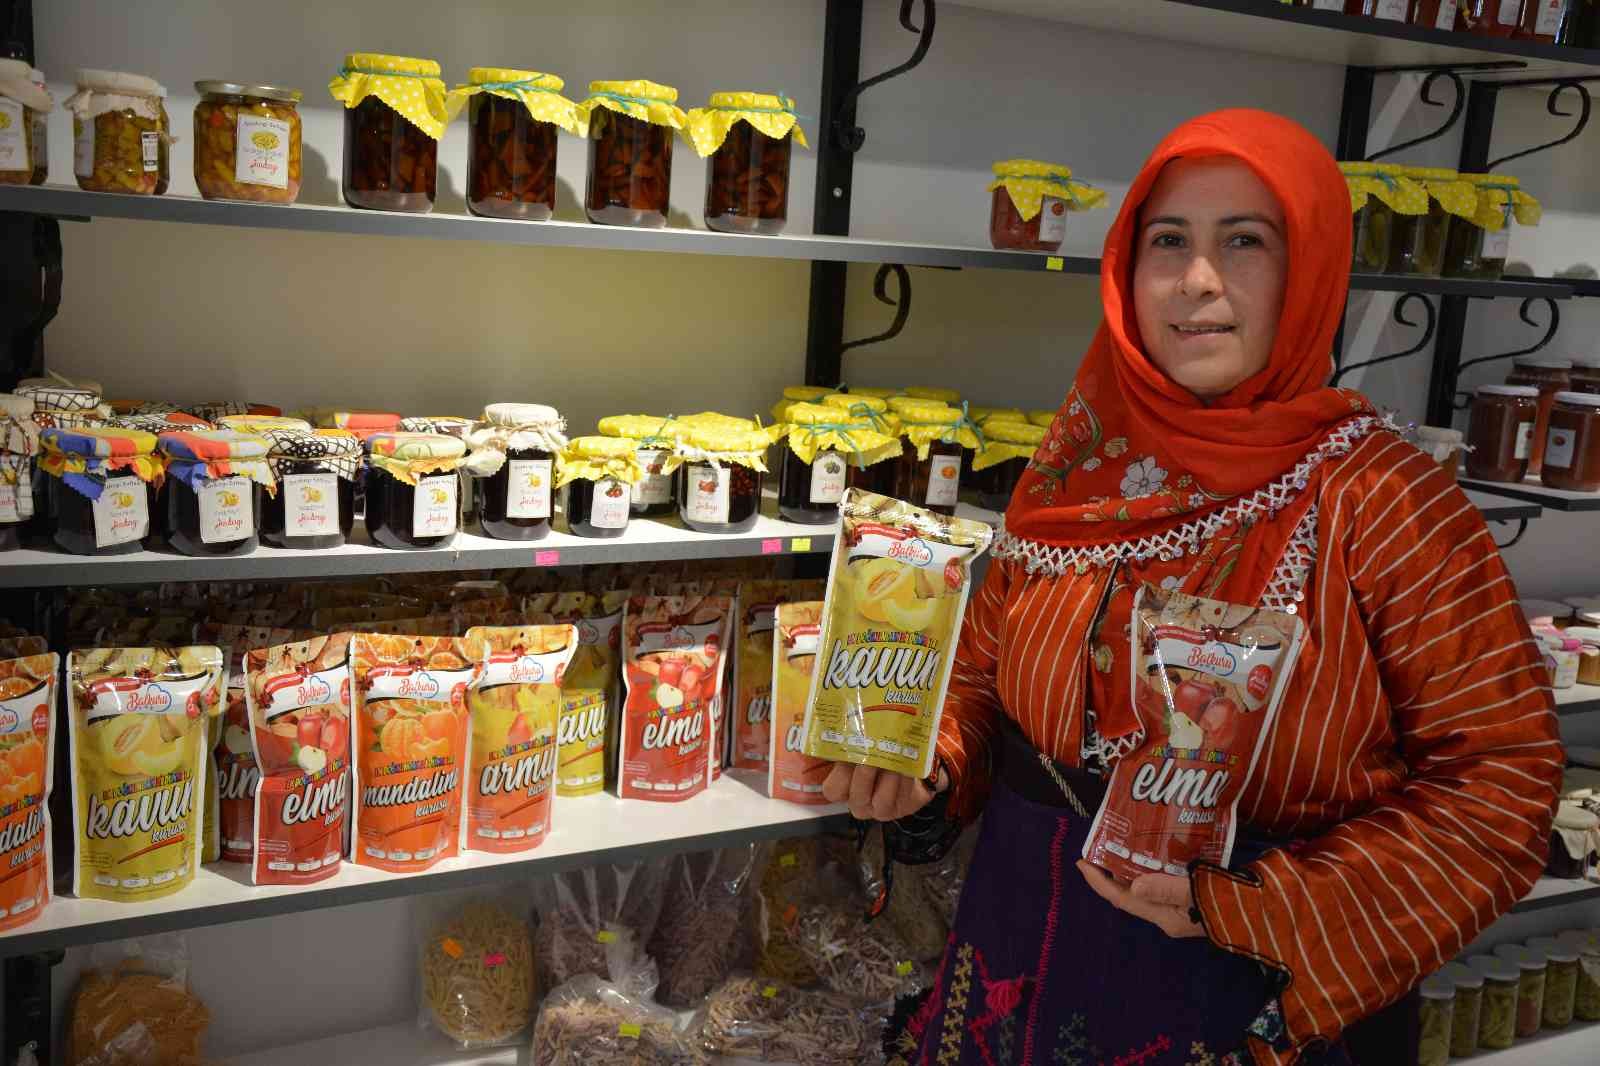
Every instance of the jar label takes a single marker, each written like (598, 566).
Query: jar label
(16, 501)
(82, 146)
(226, 510)
(150, 147)
(13, 136)
(1393, 10)
(122, 513)
(827, 478)
(1496, 244)
(708, 494)
(310, 504)
(1559, 448)
(655, 487)
(433, 506)
(1549, 19)
(528, 488)
(944, 480)
(1052, 220)
(1447, 15)
(1510, 13)
(610, 505)
(1524, 440)
(261, 153)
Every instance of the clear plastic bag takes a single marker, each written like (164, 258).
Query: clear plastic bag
(475, 969)
(593, 1022)
(133, 1007)
(754, 1019)
(581, 912)
(708, 894)
(864, 960)
(788, 869)
(911, 909)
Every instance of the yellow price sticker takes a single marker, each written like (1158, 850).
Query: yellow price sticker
(628, 1029)
(450, 948)
(1055, 262)
(786, 859)
(800, 544)
(903, 967)
(605, 936)
(770, 992)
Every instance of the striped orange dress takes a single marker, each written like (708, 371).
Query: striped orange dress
(1416, 754)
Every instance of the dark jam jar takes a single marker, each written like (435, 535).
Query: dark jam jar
(810, 492)
(391, 159)
(719, 498)
(747, 176)
(411, 489)
(1434, 14)
(630, 159)
(511, 154)
(1046, 193)
(117, 521)
(1008, 447)
(652, 495)
(16, 498)
(598, 473)
(933, 482)
(220, 517)
(314, 506)
(517, 501)
(1500, 432)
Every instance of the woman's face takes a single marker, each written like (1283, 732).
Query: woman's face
(1209, 274)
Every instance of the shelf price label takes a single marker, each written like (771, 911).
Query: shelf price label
(772, 546)
(1055, 262)
(800, 544)
(548, 557)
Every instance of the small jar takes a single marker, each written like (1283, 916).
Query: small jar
(411, 489)
(719, 481)
(394, 116)
(1468, 1006)
(23, 105)
(1436, 1018)
(1586, 1004)
(1571, 841)
(119, 132)
(999, 465)
(1388, 10)
(1497, 1020)
(1562, 654)
(1435, 14)
(314, 506)
(1586, 373)
(516, 501)
(1560, 983)
(41, 131)
(1551, 21)
(748, 139)
(1549, 376)
(1029, 203)
(1532, 968)
(1379, 189)
(164, 146)
(1470, 251)
(825, 441)
(1443, 446)
(654, 494)
(19, 441)
(263, 425)
(632, 125)
(930, 470)
(1572, 445)
(598, 474)
(213, 490)
(1500, 432)
(1491, 18)
(1418, 244)
(1589, 654)
(107, 510)
(247, 142)
(512, 124)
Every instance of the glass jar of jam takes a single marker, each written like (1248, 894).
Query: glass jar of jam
(516, 502)
(40, 130)
(394, 116)
(1491, 18)
(1549, 376)
(719, 480)
(411, 489)
(748, 138)
(1029, 203)
(1389, 10)
(1586, 373)
(1435, 14)
(512, 122)
(825, 441)
(1000, 463)
(632, 125)
(598, 474)
(247, 142)
(20, 102)
(1572, 450)
(19, 442)
(101, 491)
(450, 426)
(212, 494)
(314, 506)
(1551, 21)
(655, 437)
(1500, 432)
(119, 132)
(930, 470)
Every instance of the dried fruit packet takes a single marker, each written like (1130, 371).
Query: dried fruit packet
(138, 728)
(752, 684)
(586, 730)
(1208, 677)
(233, 775)
(298, 698)
(27, 747)
(515, 703)
(897, 590)
(792, 774)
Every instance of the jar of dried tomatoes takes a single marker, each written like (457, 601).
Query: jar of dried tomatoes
(119, 132)
(746, 138)
(1435, 14)
(597, 475)
(23, 105)
(247, 142)
(827, 442)
(514, 450)
(395, 113)
(512, 120)
(1477, 247)
(1491, 18)
(719, 468)
(631, 127)
(1030, 201)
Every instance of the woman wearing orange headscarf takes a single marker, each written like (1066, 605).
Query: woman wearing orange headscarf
(1403, 798)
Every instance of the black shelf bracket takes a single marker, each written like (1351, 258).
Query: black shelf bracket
(1558, 86)
(1522, 313)
(846, 133)
(1436, 74)
(1522, 527)
(1428, 329)
(901, 302)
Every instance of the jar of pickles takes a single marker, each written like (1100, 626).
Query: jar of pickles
(513, 117)
(395, 113)
(654, 439)
(1500, 432)
(1531, 972)
(215, 478)
(316, 472)
(247, 142)
(1586, 1004)
(102, 486)
(825, 442)
(1418, 244)
(411, 489)
(719, 468)
(23, 105)
(1436, 1018)
(1477, 246)
(631, 129)
(746, 139)
(930, 471)
(19, 442)
(998, 465)
(598, 475)
(1379, 196)
(119, 132)
(514, 452)
(1572, 445)
(1029, 203)
(1497, 1020)
(1468, 1006)
(1561, 980)
(1549, 376)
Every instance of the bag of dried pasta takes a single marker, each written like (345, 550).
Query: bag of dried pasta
(133, 1006)
(475, 964)
(592, 1022)
(866, 960)
(755, 1019)
(909, 908)
(708, 893)
(580, 914)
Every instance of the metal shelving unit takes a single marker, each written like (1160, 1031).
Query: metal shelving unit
(1557, 892)
(1533, 492)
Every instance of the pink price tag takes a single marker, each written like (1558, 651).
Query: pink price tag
(493, 959)
(547, 558)
(772, 547)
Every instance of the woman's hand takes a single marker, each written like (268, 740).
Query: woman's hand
(1160, 899)
(874, 793)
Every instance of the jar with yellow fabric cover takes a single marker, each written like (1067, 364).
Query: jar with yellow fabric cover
(1378, 195)
(998, 465)
(930, 471)
(119, 131)
(411, 489)
(1030, 204)
(395, 113)
(597, 475)
(654, 437)
(793, 394)
(512, 121)
(719, 468)
(1418, 246)
(1478, 247)
(631, 127)
(881, 477)
(827, 443)
(746, 139)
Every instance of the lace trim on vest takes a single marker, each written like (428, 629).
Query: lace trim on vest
(1286, 589)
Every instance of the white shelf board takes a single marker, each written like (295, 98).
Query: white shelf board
(1576, 1045)
(392, 1045)
(587, 830)
(1532, 491)
(1500, 509)
(1557, 892)
(1579, 699)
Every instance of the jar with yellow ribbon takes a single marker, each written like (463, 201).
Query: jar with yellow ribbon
(1418, 245)
(597, 475)
(793, 394)
(830, 448)
(998, 465)
(411, 489)
(512, 122)
(19, 443)
(1031, 201)
(883, 477)
(719, 467)
(930, 471)
(1378, 193)
(1477, 247)
(120, 132)
(631, 127)
(654, 437)
(748, 138)
(395, 113)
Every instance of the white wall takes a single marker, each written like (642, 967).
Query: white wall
(436, 327)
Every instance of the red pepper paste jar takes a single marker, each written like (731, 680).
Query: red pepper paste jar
(1500, 432)
(1549, 376)
(1030, 201)
(513, 118)
(395, 114)
(1572, 449)
(631, 129)
(746, 139)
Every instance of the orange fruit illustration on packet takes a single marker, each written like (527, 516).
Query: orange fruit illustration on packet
(417, 736)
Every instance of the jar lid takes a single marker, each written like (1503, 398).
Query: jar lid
(1042, 418)
(1462, 976)
(1438, 987)
(1579, 399)
(600, 448)
(1543, 364)
(512, 415)
(1554, 949)
(143, 407)
(1440, 435)
(870, 390)
(416, 446)
(51, 395)
(925, 392)
(1491, 179)
(1520, 956)
(1587, 362)
(449, 425)
(903, 404)
(1009, 414)
(171, 422)
(265, 92)
(1508, 390)
(116, 81)
(1003, 432)
(258, 423)
(210, 445)
(1495, 968)
(714, 420)
(358, 422)
(1429, 173)
(312, 444)
(805, 393)
(101, 442)
(213, 410)
(660, 428)
(856, 401)
(1574, 816)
